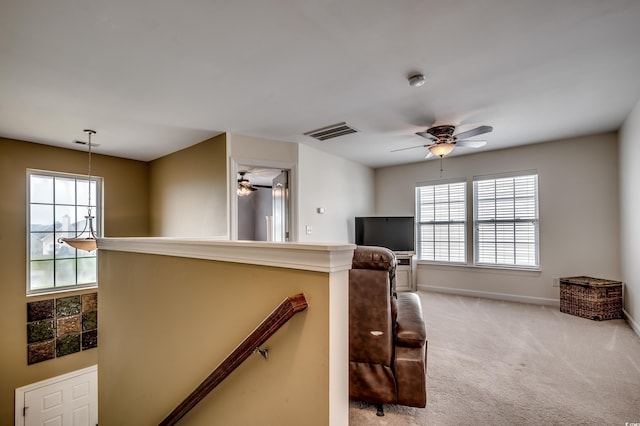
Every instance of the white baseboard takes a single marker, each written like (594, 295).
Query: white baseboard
(491, 295)
(635, 326)
(632, 323)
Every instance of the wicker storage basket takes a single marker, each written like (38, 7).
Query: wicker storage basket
(592, 298)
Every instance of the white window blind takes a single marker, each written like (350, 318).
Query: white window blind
(441, 217)
(506, 221)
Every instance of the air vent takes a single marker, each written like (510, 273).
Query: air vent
(331, 132)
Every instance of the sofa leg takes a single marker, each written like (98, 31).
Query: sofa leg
(380, 411)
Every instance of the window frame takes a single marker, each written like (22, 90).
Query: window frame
(513, 221)
(97, 212)
(462, 183)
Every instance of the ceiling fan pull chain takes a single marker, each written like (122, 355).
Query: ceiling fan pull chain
(440, 166)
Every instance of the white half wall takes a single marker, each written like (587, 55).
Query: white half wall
(578, 200)
(629, 208)
(344, 190)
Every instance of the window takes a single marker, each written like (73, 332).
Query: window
(506, 221)
(441, 213)
(57, 206)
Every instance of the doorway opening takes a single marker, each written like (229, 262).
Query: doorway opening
(263, 203)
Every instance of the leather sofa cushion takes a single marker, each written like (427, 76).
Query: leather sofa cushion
(411, 331)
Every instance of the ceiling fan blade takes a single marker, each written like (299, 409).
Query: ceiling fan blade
(425, 135)
(474, 132)
(429, 155)
(411, 147)
(471, 144)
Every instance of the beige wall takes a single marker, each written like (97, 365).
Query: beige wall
(343, 188)
(578, 197)
(166, 322)
(125, 214)
(629, 208)
(246, 148)
(189, 191)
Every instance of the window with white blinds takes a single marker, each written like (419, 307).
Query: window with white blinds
(441, 217)
(506, 221)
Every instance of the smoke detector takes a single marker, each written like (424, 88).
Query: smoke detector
(416, 80)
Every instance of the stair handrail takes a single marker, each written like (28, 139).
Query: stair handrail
(267, 328)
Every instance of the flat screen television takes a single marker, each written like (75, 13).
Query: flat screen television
(396, 233)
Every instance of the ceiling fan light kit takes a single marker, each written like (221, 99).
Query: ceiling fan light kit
(244, 186)
(441, 148)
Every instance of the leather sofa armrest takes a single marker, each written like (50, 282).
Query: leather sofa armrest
(371, 257)
(411, 330)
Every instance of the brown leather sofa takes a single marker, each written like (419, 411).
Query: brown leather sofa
(387, 334)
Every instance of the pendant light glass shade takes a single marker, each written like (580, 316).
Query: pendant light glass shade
(85, 240)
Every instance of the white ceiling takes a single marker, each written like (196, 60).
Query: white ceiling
(154, 76)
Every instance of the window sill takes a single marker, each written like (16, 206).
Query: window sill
(482, 268)
(66, 290)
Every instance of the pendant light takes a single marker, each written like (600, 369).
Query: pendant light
(85, 240)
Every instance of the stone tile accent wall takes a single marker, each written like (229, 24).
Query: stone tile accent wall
(62, 326)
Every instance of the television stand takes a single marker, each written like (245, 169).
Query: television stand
(406, 277)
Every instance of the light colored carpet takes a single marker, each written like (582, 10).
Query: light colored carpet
(501, 363)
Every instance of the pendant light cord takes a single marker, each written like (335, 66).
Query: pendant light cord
(89, 132)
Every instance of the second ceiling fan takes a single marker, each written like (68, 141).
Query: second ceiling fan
(443, 139)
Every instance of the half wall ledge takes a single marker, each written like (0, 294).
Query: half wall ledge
(319, 257)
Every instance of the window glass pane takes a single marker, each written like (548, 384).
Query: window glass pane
(457, 211)
(456, 232)
(65, 272)
(83, 193)
(504, 252)
(87, 270)
(526, 254)
(525, 208)
(65, 191)
(81, 219)
(41, 274)
(41, 189)
(65, 218)
(41, 245)
(41, 216)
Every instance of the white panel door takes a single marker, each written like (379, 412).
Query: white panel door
(71, 401)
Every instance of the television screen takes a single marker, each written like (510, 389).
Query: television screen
(396, 233)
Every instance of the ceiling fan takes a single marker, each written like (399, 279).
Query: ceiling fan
(244, 186)
(443, 139)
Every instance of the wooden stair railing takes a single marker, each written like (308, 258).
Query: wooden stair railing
(267, 328)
